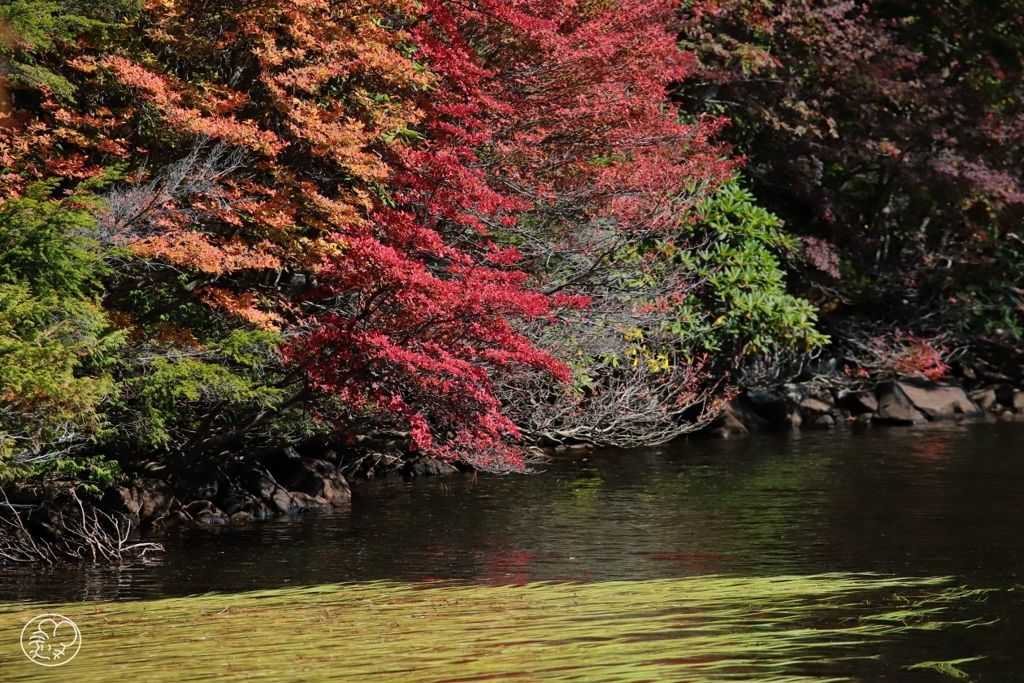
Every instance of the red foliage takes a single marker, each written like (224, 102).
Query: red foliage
(919, 357)
(893, 130)
(389, 144)
(898, 354)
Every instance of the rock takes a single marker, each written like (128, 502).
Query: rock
(428, 467)
(258, 483)
(179, 517)
(202, 485)
(864, 419)
(858, 402)
(776, 407)
(238, 500)
(155, 497)
(740, 409)
(816, 406)
(727, 426)
(308, 502)
(120, 499)
(313, 477)
(821, 421)
(817, 409)
(241, 517)
(792, 405)
(1018, 400)
(145, 501)
(330, 455)
(262, 485)
(939, 401)
(985, 398)
(895, 408)
(205, 512)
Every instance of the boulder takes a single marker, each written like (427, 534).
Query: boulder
(821, 421)
(308, 502)
(895, 408)
(427, 467)
(817, 408)
(793, 405)
(179, 517)
(205, 512)
(238, 500)
(313, 477)
(985, 399)
(811, 405)
(776, 407)
(741, 411)
(155, 497)
(241, 517)
(202, 485)
(939, 401)
(120, 499)
(145, 501)
(262, 485)
(858, 402)
(1018, 400)
(727, 426)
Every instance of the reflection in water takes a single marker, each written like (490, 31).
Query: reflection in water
(945, 500)
(780, 629)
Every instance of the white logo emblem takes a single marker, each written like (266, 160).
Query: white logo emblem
(51, 640)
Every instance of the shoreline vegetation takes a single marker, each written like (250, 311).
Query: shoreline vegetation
(248, 256)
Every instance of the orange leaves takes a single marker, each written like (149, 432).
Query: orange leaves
(340, 82)
(197, 252)
(75, 166)
(159, 92)
(348, 162)
(332, 137)
(245, 305)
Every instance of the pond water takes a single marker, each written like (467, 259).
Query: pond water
(869, 554)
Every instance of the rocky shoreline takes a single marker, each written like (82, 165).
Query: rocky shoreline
(909, 401)
(61, 522)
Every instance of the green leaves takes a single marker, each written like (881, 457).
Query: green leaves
(30, 28)
(55, 340)
(742, 302)
(47, 243)
(164, 389)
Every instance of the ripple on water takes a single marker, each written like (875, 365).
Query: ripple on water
(780, 629)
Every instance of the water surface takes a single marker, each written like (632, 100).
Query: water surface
(943, 504)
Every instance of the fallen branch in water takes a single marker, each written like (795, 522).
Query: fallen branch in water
(65, 528)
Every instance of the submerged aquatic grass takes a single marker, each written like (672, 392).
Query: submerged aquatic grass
(699, 629)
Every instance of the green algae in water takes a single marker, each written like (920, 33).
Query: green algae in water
(699, 629)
